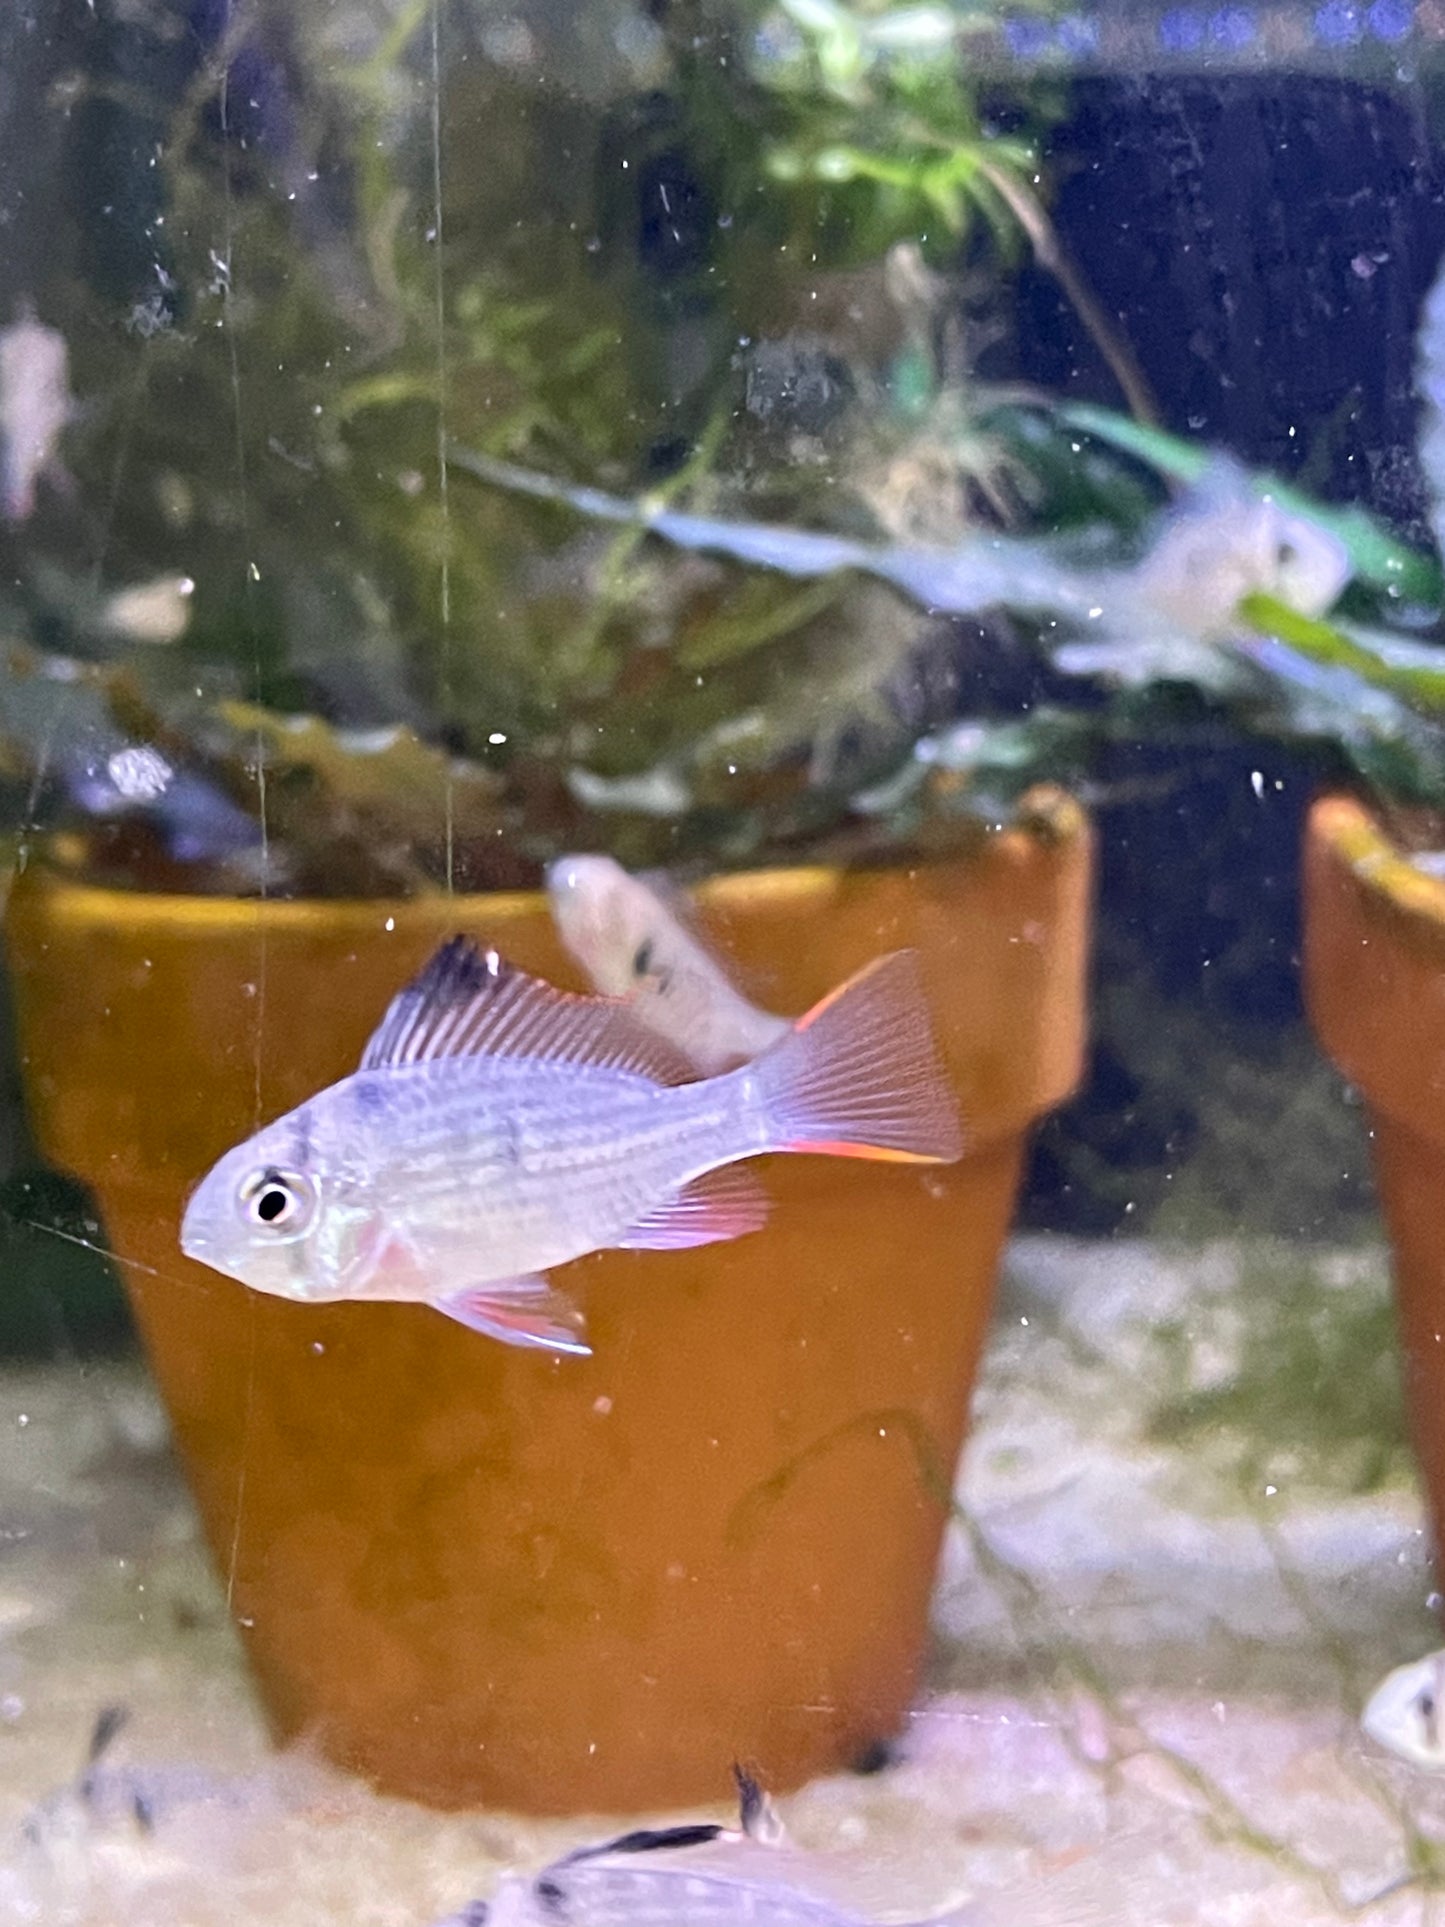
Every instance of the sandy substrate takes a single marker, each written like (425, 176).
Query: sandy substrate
(1157, 1617)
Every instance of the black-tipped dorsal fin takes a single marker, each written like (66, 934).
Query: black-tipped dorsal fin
(759, 1818)
(469, 1002)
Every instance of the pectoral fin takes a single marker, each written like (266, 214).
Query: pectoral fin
(519, 1311)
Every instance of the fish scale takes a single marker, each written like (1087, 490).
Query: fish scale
(620, 1144)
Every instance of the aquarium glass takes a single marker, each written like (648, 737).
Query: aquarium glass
(722, 1065)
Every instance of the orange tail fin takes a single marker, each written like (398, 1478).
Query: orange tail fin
(859, 1076)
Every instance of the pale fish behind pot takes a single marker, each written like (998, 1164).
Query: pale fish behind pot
(713, 1876)
(498, 1127)
(1406, 1713)
(633, 941)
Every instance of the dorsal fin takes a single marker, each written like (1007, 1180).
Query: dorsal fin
(469, 1002)
(759, 1818)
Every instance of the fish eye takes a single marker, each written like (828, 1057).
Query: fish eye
(277, 1200)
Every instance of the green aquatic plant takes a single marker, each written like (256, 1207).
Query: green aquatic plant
(351, 242)
(738, 477)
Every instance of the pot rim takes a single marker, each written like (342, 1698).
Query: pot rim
(1046, 818)
(1358, 836)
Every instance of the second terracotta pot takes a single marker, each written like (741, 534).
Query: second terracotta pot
(1375, 984)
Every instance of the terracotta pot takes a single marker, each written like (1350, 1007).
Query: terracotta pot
(481, 1574)
(1375, 985)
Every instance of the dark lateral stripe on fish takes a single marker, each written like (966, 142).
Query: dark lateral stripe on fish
(650, 1840)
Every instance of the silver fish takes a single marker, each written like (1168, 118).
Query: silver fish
(1406, 1713)
(35, 405)
(633, 943)
(497, 1127)
(1224, 543)
(715, 1876)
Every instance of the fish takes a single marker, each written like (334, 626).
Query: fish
(142, 1799)
(35, 406)
(1224, 543)
(709, 1875)
(632, 942)
(497, 1127)
(1406, 1713)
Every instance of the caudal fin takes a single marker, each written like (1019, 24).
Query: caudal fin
(859, 1076)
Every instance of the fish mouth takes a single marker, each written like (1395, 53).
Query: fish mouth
(194, 1242)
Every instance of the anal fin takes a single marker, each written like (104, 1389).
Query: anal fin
(720, 1205)
(519, 1311)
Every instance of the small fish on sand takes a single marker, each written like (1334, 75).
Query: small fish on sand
(497, 1127)
(1406, 1713)
(707, 1875)
(633, 941)
(35, 406)
(142, 1800)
